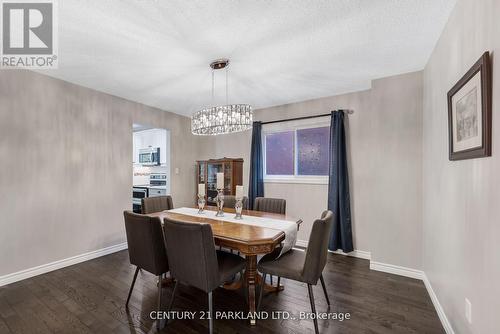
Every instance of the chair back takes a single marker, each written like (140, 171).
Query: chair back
(230, 201)
(156, 204)
(272, 205)
(146, 247)
(191, 253)
(317, 249)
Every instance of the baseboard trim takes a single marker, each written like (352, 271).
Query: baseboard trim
(45, 268)
(356, 253)
(378, 266)
(397, 270)
(437, 305)
(417, 274)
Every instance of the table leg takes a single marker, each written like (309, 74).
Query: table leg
(167, 281)
(268, 287)
(251, 280)
(238, 284)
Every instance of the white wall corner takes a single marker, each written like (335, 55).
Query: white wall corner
(45, 268)
(417, 274)
(439, 309)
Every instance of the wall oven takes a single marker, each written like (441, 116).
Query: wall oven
(138, 193)
(149, 156)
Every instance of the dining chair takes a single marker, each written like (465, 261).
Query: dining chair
(156, 204)
(193, 259)
(272, 205)
(230, 201)
(303, 266)
(146, 249)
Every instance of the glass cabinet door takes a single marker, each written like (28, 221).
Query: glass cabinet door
(201, 173)
(227, 178)
(212, 170)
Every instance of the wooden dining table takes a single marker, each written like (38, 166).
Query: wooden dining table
(249, 240)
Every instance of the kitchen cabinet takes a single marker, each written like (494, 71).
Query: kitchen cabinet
(155, 192)
(151, 138)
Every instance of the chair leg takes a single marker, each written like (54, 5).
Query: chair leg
(261, 291)
(271, 279)
(313, 308)
(158, 322)
(172, 299)
(324, 289)
(279, 279)
(210, 313)
(132, 286)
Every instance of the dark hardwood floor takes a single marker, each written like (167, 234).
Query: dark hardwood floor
(90, 298)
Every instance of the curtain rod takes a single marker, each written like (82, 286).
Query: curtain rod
(304, 117)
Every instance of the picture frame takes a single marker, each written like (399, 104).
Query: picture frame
(469, 113)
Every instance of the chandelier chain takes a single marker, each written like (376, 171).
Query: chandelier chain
(213, 83)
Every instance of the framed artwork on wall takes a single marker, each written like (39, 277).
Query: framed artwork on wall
(469, 113)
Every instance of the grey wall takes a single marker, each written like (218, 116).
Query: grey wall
(66, 169)
(461, 224)
(385, 145)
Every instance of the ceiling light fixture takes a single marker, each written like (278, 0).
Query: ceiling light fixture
(228, 118)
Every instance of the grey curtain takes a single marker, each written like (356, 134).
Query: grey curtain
(256, 182)
(338, 186)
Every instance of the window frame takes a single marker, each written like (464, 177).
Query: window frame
(286, 127)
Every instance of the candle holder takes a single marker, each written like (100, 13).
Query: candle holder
(220, 203)
(201, 203)
(238, 207)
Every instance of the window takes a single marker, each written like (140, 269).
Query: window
(280, 153)
(313, 151)
(297, 154)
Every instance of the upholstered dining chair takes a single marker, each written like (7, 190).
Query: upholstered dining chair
(306, 267)
(272, 205)
(193, 259)
(146, 249)
(156, 204)
(230, 201)
(267, 204)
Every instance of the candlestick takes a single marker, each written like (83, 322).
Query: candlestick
(238, 207)
(220, 203)
(201, 203)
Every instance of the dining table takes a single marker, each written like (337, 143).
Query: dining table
(249, 240)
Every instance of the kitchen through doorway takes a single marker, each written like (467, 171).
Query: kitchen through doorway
(150, 163)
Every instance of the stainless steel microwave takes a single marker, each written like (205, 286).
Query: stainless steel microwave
(149, 156)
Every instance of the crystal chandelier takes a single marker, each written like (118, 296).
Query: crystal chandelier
(223, 119)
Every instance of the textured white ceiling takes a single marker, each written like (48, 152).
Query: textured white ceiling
(157, 52)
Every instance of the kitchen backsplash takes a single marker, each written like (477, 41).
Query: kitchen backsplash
(141, 173)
